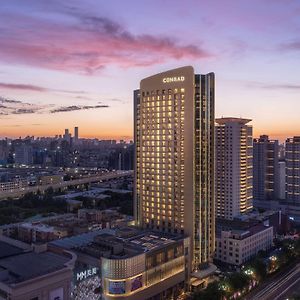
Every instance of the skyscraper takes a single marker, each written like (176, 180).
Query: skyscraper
(265, 168)
(292, 157)
(67, 136)
(233, 167)
(174, 160)
(76, 135)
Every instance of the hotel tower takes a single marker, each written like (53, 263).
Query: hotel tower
(174, 159)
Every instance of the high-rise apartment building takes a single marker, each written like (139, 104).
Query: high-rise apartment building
(282, 179)
(234, 164)
(265, 169)
(292, 157)
(4, 152)
(174, 160)
(24, 154)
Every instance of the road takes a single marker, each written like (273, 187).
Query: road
(281, 287)
(106, 176)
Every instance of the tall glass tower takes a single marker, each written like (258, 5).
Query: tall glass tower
(174, 159)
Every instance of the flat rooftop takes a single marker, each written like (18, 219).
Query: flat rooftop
(38, 226)
(7, 250)
(80, 240)
(238, 227)
(148, 241)
(133, 241)
(225, 120)
(29, 265)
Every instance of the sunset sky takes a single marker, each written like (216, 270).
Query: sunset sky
(76, 63)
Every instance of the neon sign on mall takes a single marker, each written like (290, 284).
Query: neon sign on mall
(85, 274)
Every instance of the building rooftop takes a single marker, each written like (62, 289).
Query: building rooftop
(242, 234)
(295, 139)
(80, 240)
(7, 250)
(124, 242)
(240, 228)
(30, 265)
(38, 226)
(222, 121)
(148, 241)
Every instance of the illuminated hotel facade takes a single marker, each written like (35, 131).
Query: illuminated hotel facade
(174, 160)
(234, 167)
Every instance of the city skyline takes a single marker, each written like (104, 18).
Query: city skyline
(76, 65)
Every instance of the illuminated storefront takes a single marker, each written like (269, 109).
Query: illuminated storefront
(148, 274)
(86, 282)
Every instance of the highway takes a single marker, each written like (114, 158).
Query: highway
(280, 288)
(64, 184)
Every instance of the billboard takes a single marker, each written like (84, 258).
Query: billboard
(136, 283)
(116, 287)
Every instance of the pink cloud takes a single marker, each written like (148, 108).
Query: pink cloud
(87, 45)
(291, 46)
(23, 87)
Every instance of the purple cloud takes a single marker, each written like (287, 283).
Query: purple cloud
(76, 107)
(84, 44)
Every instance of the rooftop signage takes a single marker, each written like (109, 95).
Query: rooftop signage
(173, 79)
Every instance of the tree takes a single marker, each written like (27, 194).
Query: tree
(260, 268)
(212, 292)
(297, 247)
(238, 281)
(296, 297)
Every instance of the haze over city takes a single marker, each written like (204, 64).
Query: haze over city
(76, 63)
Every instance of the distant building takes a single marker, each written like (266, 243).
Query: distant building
(266, 180)
(233, 167)
(67, 136)
(24, 154)
(237, 246)
(282, 179)
(76, 135)
(39, 233)
(15, 185)
(292, 153)
(50, 179)
(4, 151)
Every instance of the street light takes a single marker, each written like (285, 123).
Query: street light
(249, 272)
(273, 258)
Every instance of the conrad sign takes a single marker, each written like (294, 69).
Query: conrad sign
(173, 79)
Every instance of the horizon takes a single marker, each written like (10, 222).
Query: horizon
(78, 64)
(281, 139)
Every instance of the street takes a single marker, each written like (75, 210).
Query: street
(64, 184)
(281, 288)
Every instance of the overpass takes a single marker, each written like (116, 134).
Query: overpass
(65, 184)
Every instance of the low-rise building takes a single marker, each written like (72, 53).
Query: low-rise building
(39, 232)
(237, 246)
(129, 263)
(51, 179)
(28, 275)
(15, 185)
